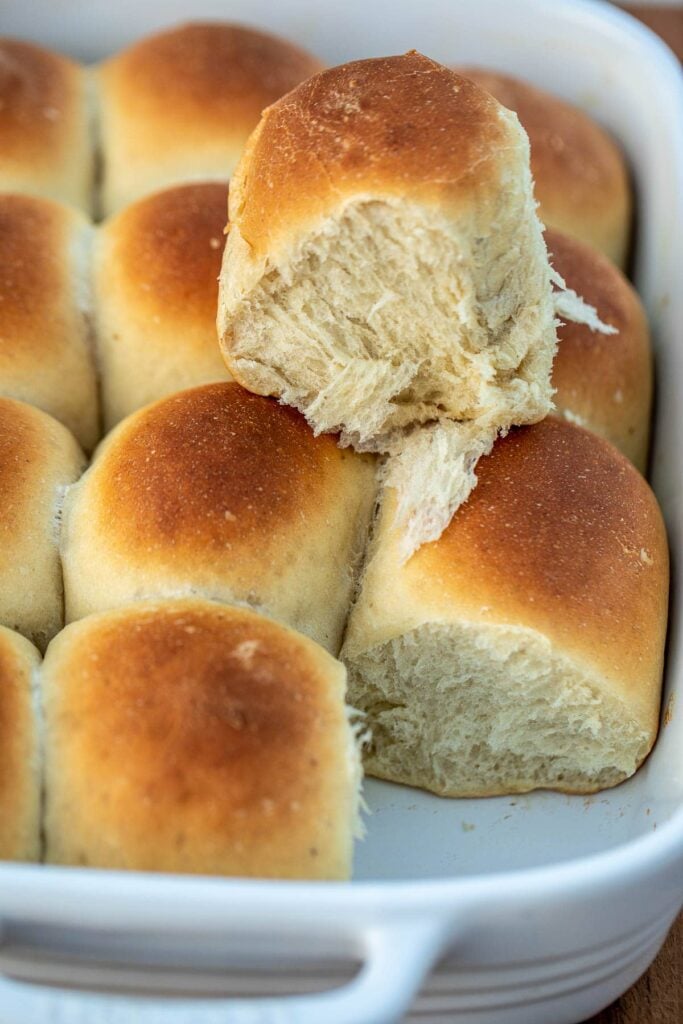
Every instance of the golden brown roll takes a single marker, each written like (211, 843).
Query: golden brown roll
(580, 176)
(523, 649)
(180, 105)
(386, 281)
(45, 349)
(372, 275)
(218, 492)
(188, 736)
(603, 382)
(46, 145)
(19, 753)
(39, 458)
(156, 291)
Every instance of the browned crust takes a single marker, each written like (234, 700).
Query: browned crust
(38, 91)
(604, 379)
(564, 536)
(200, 78)
(386, 124)
(574, 162)
(165, 252)
(18, 780)
(24, 447)
(34, 276)
(193, 733)
(212, 468)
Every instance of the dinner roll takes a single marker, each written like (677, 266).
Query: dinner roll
(45, 350)
(523, 649)
(218, 492)
(603, 382)
(156, 289)
(379, 277)
(46, 145)
(38, 459)
(373, 276)
(180, 104)
(580, 176)
(19, 755)
(186, 736)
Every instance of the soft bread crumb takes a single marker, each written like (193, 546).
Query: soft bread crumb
(467, 710)
(433, 473)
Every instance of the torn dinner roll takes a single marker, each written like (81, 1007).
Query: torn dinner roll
(380, 277)
(221, 493)
(377, 276)
(524, 648)
(186, 736)
(156, 272)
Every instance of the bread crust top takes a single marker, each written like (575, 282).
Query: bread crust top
(39, 93)
(165, 251)
(186, 735)
(32, 446)
(403, 126)
(238, 694)
(211, 468)
(36, 289)
(202, 77)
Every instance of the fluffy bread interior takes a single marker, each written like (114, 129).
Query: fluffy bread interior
(470, 710)
(386, 318)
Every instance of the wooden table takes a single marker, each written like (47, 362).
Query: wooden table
(667, 21)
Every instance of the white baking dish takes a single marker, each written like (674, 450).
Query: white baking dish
(540, 909)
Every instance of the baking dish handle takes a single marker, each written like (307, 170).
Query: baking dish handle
(397, 957)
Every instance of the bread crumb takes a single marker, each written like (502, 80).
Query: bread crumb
(574, 418)
(245, 652)
(669, 710)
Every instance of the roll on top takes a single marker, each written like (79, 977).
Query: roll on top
(156, 291)
(19, 755)
(603, 382)
(45, 350)
(580, 175)
(38, 459)
(220, 492)
(46, 147)
(186, 736)
(180, 104)
(385, 267)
